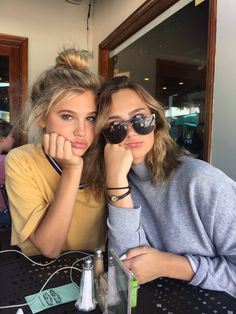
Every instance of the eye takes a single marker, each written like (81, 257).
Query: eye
(92, 119)
(67, 117)
(138, 117)
(116, 124)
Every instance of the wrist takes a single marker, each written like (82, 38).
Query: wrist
(116, 182)
(72, 171)
(115, 195)
(74, 166)
(177, 267)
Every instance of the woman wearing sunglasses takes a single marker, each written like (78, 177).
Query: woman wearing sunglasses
(53, 207)
(169, 215)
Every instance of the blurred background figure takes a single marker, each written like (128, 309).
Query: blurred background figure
(6, 143)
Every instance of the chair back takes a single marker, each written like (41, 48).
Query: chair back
(4, 195)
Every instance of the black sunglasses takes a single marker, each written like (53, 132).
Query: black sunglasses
(117, 131)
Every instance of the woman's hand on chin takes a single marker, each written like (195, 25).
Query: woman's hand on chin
(59, 148)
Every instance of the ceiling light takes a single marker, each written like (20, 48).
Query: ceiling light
(4, 84)
(146, 78)
(164, 87)
(181, 83)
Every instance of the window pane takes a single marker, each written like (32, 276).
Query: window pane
(4, 88)
(170, 62)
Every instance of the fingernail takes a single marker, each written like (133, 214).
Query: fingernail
(123, 257)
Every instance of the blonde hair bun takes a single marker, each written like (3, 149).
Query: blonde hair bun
(73, 59)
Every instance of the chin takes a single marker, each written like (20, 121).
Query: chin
(78, 152)
(138, 159)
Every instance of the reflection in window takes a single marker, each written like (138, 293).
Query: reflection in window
(170, 62)
(4, 88)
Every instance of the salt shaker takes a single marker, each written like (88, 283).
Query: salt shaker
(86, 301)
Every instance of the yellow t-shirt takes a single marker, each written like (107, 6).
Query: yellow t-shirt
(31, 183)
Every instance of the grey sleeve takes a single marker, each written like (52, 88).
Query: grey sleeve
(125, 229)
(219, 272)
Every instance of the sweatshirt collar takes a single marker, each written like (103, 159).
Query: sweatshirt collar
(141, 171)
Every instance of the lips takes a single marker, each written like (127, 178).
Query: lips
(79, 145)
(133, 144)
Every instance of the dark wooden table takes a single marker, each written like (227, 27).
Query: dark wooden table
(19, 278)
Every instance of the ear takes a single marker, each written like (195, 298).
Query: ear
(42, 123)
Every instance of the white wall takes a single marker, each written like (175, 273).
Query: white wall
(48, 24)
(224, 115)
(108, 15)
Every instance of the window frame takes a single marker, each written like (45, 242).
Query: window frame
(16, 48)
(149, 10)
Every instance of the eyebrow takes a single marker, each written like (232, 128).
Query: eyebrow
(71, 111)
(130, 113)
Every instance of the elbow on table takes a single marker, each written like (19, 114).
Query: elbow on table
(46, 248)
(50, 253)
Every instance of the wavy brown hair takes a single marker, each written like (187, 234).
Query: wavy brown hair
(165, 154)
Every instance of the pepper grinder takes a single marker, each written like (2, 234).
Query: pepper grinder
(98, 263)
(86, 301)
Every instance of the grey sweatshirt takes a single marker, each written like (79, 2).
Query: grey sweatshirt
(193, 215)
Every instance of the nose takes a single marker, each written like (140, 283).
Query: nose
(130, 130)
(80, 129)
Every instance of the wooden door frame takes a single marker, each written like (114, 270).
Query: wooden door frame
(149, 10)
(19, 72)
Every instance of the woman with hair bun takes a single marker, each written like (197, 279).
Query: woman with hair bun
(53, 208)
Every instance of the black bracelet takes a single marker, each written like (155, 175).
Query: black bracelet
(115, 198)
(121, 188)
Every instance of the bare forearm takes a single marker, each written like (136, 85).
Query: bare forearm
(52, 231)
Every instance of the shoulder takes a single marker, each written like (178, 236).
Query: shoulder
(199, 167)
(28, 150)
(24, 157)
(202, 174)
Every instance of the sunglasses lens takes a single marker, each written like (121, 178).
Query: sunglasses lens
(115, 134)
(144, 125)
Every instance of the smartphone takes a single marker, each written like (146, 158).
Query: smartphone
(122, 286)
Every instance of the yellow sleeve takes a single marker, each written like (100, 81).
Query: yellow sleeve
(27, 203)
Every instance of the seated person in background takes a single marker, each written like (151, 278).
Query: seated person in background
(171, 215)
(53, 208)
(6, 143)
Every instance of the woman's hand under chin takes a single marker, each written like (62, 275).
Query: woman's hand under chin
(118, 161)
(59, 148)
